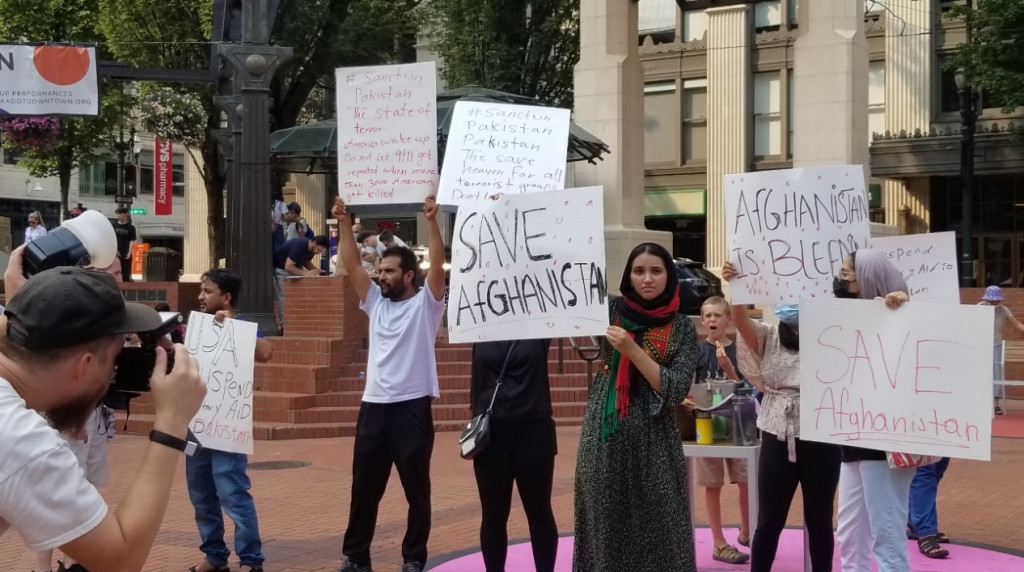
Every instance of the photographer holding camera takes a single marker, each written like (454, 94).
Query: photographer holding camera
(60, 335)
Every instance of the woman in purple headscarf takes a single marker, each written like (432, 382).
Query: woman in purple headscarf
(872, 497)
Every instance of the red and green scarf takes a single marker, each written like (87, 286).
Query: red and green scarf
(651, 329)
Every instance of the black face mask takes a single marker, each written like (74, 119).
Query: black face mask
(841, 288)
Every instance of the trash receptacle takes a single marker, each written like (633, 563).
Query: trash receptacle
(161, 265)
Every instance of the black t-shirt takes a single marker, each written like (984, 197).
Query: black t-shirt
(296, 249)
(707, 362)
(525, 391)
(125, 235)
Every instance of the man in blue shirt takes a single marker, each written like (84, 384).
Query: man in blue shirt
(217, 479)
(293, 258)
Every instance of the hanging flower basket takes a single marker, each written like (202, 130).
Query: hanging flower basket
(30, 133)
(174, 116)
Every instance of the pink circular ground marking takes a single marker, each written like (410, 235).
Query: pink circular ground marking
(789, 557)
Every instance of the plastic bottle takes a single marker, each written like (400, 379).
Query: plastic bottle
(744, 416)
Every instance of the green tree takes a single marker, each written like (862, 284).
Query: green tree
(993, 59)
(324, 34)
(175, 35)
(527, 47)
(78, 140)
(328, 34)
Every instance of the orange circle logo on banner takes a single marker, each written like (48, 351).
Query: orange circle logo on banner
(61, 65)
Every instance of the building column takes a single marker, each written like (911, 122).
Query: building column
(729, 116)
(609, 102)
(908, 101)
(830, 85)
(197, 229)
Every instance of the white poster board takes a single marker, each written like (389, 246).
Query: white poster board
(227, 357)
(529, 266)
(387, 133)
(48, 80)
(503, 148)
(917, 379)
(789, 230)
(928, 264)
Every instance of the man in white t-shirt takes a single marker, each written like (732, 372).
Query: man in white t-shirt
(386, 239)
(395, 425)
(60, 335)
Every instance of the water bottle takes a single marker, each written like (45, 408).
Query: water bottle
(744, 416)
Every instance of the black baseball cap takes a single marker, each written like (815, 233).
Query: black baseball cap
(67, 306)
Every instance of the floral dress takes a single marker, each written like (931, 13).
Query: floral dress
(632, 499)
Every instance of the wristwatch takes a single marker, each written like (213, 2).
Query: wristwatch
(189, 447)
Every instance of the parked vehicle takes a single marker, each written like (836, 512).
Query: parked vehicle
(696, 284)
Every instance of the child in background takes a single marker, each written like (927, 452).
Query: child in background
(717, 358)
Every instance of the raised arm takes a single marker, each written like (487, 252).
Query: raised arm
(435, 274)
(744, 324)
(348, 250)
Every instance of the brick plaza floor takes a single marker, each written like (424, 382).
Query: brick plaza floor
(303, 511)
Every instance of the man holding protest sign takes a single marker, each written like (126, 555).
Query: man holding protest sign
(395, 425)
(217, 479)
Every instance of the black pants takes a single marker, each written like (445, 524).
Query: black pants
(523, 452)
(817, 471)
(126, 269)
(399, 434)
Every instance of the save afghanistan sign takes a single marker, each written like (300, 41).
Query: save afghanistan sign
(48, 80)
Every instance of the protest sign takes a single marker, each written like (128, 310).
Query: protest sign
(387, 133)
(910, 380)
(529, 266)
(226, 355)
(503, 148)
(789, 230)
(928, 264)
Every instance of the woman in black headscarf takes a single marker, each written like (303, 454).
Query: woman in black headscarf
(632, 503)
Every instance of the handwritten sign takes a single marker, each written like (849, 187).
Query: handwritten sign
(529, 266)
(226, 355)
(387, 133)
(928, 264)
(912, 380)
(789, 230)
(503, 148)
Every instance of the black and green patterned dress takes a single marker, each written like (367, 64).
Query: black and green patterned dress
(632, 499)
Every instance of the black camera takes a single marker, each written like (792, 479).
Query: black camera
(135, 363)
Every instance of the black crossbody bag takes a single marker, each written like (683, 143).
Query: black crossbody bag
(477, 433)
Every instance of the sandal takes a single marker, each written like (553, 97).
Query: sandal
(728, 553)
(743, 539)
(929, 546)
(941, 538)
(224, 568)
(911, 535)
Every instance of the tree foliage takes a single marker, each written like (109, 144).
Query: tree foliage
(79, 140)
(328, 34)
(994, 58)
(528, 47)
(174, 35)
(324, 34)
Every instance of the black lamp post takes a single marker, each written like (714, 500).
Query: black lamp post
(968, 120)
